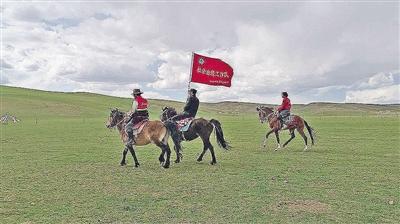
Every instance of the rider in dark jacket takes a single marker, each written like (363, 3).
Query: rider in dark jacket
(191, 107)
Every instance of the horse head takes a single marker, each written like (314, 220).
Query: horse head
(115, 117)
(167, 113)
(264, 112)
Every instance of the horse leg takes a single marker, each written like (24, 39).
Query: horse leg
(266, 137)
(277, 140)
(178, 155)
(132, 150)
(161, 157)
(123, 161)
(301, 131)
(205, 137)
(205, 147)
(290, 139)
(168, 151)
(213, 159)
(164, 150)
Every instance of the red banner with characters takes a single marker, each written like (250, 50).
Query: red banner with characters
(211, 71)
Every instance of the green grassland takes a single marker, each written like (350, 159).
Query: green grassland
(61, 165)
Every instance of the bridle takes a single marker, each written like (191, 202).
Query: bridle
(165, 112)
(112, 126)
(265, 117)
(119, 122)
(262, 116)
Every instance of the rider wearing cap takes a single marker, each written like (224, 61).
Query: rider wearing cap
(137, 114)
(284, 108)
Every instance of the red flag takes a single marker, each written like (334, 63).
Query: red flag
(211, 71)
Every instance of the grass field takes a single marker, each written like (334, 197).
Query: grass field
(61, 165)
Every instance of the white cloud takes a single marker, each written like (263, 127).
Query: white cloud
(378, 80)
(174, 71)
(316, 51)
(155, 95)
(381, 95)
(379, 88)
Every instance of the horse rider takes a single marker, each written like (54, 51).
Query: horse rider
(284, 109)
(137, 114)
(190, 110)
(191, 107)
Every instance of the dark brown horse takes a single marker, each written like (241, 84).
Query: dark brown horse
(153, 132)
(199, 127)
(296, 123)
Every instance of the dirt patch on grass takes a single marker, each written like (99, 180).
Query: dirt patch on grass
(310, 206)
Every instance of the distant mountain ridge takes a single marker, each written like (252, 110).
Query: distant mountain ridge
(30, 102)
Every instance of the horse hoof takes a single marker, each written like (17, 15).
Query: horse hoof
(199, 159)
(213, 162)
(123, 164)
(137, 165)
(166, 166)
(177, 161)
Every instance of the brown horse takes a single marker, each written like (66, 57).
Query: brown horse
(199, 127)
(153, 132)
(298, 123)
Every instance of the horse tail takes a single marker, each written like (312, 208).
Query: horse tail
(220, 134)
(311, 132)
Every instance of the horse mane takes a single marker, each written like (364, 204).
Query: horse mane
(119, 113)
(120, 126)
(170, 110)
(266, 109)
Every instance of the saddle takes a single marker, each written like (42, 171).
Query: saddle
(137, 128)
(288, 119)
(184, 124)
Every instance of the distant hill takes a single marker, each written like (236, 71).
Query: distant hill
(29, 103)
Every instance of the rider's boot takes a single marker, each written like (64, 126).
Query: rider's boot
(131, 139)
(283, 125)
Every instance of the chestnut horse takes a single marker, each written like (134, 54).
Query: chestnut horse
(153, 132)
(298, 123)
(199, 127)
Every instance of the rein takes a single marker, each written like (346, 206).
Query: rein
(119, 122)
(267, 117)
(166, 113)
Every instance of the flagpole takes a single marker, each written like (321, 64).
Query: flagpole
(191, 69)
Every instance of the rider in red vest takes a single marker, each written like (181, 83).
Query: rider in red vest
(137, 114)
(284, 108)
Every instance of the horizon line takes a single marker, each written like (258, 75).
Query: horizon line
(172, 100)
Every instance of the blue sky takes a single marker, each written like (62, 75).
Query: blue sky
(317, 51)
